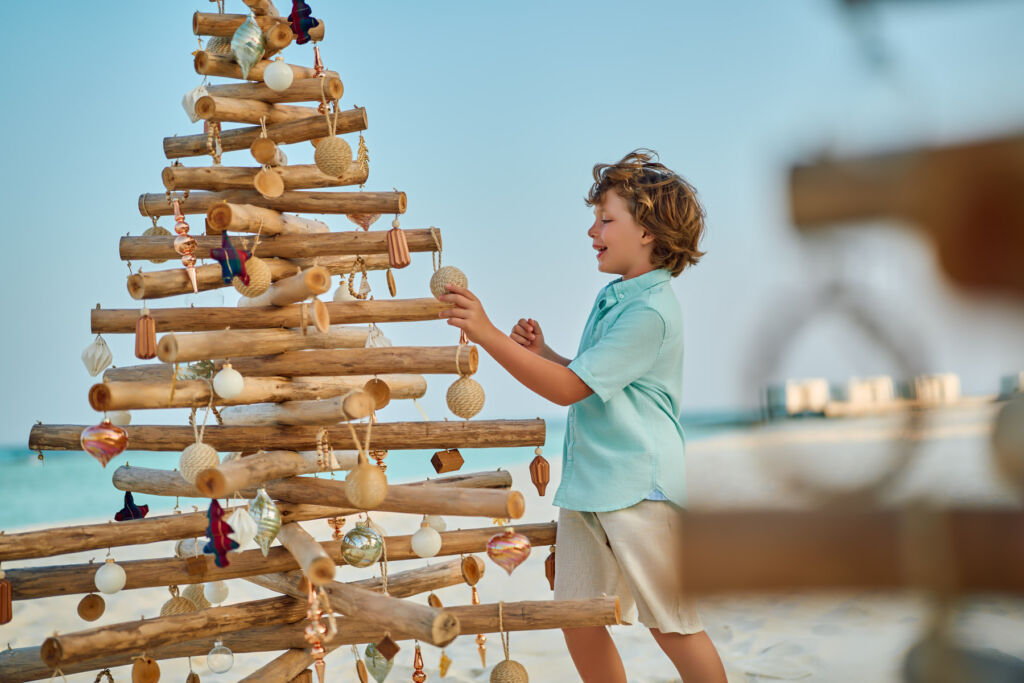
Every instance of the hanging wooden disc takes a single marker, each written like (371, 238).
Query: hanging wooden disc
(321, 318)
(91, 607)
(434, 601)
(379, 390)
(145, 670)
(269, 183)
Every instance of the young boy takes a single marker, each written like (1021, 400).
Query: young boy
(623, 470)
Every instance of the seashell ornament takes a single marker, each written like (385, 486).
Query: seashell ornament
(243, 527)
(268, 520)
(363, 220)
(196, 458)
(104, 441)
(188, 102)
(362, 546)
(97, 356)
(342, 294)
(508, 549)
(247, 44)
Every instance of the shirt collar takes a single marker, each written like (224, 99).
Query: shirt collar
(620, 290)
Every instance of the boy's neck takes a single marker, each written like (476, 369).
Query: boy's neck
(637, 271)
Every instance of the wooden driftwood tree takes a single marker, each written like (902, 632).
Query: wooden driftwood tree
(314, 376)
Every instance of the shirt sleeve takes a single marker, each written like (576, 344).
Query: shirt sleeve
(624, 353)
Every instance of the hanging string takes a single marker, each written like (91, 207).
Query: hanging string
(192, 419)
(437, 241)
(419, 407)
(501, 629)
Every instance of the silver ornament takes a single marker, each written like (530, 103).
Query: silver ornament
(247, 44)
(362, 546)
(268, 520)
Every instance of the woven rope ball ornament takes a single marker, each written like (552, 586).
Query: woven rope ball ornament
(218, 45)
(446, 275)
(195, 459)
(465, 397)
(259, 278)
(177, 604)
(157, 231)
(509, 671)
(194, 594)
(333, 156)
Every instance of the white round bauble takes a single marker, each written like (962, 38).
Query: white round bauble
(426, 542)
(122, 418)
(278, 75)
(220, 659)
(110, 577)
(228, 383)
(196, 458)
(437, 523)
(216, 592)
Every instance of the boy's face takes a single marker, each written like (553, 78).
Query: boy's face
(623, 247)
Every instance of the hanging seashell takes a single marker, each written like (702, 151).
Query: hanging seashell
(243, 526)
(363, 220)
(377, 664)
(97, 356)
(398, 247)
(188, 102)
(333, 156)
(342, 294)
(444, 276)
(145, 336)
(540, 472)
(177, 604)
(104, 441)
(509, 671)
(465, 397)
(268, 520)
(437, 522)
(194, 593)
(259, 278)
(508, 549)
(375, 339)
(364, 286)
(196, 458)
(366, 486)
(361, 546)
(247, 44)
(445, 664)
(269, 183)
(91, 607)
(218, 45)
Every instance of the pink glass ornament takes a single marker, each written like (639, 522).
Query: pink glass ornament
(104, 441)
(508, 549)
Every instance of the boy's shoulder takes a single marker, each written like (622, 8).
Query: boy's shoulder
(662, 300)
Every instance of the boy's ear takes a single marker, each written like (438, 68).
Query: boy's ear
(646, 238)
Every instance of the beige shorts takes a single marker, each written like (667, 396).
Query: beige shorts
(631, 553)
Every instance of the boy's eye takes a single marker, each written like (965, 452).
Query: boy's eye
(606, 220)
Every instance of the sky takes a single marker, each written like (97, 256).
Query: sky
(490, 117)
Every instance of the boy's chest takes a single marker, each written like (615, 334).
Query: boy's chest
(602, 317)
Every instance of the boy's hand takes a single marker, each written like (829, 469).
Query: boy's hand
(468, 314)
(527, 333)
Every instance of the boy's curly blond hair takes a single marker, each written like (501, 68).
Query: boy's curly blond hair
(660, 201)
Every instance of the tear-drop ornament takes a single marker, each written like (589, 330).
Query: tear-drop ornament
(244, 528)
(188, 102)
(540, 472)
(110, 577)
(247, 44)
(145, 336)
(196, 458)
(195, 592)
(377, 664)
(366, 486)
(418, 675)
(216, 592)
(97, 356)
(426, 542)
(444, 276)
(278, 75)
(220, 659)
(228, 383)
(465, 397)
(333, 156)
(508, 549)
(177, 604)
(91, 607)
(362, 546)
(104, 441)
(268, 520)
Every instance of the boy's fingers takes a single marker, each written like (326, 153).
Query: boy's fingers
(460, 300)
(461, 290)
(454, 313)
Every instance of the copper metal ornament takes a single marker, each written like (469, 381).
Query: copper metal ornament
(145, 336)
(418, 675)
(549, 568)
(6, 598)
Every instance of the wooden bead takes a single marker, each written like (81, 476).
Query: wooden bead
(398, 248)
(449, 460)
(145, 337)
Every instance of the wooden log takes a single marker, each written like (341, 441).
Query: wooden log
(277, 38)
(299, 287)
(113, 320)
(288, 667)
(386, 436)
(305, 90)
(211, 64)
(348, 243)
(244, 473)
(324, 411)
(227, 217)
(38, 582)
(146, 633)
(427, 360)
(148, 395)
(262, 8)
(349, 121)
(219, 178)
(301, 202)
(225, 25)
(24, 664)
(180, 348)
(235, 110)
(159, 284)
(316, 565)
(466, 541)
(73, 539)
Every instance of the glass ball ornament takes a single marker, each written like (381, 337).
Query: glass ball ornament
(228, 383)
(278, 75)
(104, 441)
(362, 546)
(437, 523)
(220, 659)
(508, 549)
(426, 542)
(216, 592)
(110, 577)
(121, 418)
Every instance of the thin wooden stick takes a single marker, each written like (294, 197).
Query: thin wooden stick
(301, 202)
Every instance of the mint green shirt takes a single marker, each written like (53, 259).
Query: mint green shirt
(624, 441)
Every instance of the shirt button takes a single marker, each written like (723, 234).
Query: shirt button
(620, 295)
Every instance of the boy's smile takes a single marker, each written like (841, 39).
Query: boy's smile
(623, 247)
